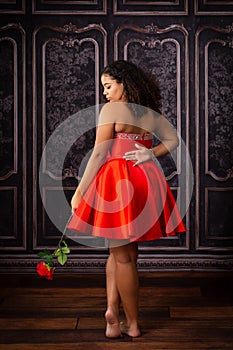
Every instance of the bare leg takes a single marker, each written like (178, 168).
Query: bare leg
(113, 300)
(125, 257)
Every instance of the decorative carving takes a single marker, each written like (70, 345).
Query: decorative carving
(70, 172)
(70, 28)
(151, 42)
(230, 43)
(151, 28)
(230, 28)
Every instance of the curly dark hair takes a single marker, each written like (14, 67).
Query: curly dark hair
(140, 86)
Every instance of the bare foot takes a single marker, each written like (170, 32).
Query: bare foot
(113, 329)
(132, 331)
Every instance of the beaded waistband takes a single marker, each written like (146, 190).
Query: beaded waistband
(131, 136)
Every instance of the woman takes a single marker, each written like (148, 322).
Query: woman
(123, 196)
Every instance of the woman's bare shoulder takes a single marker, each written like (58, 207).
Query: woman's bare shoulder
(115, 112)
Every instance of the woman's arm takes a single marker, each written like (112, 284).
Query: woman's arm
(104, 137)
(167, 135)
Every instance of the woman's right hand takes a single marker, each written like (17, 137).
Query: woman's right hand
(75, 201)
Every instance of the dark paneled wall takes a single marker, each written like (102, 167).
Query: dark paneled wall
(51, 55)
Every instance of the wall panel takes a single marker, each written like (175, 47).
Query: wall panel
(84, 7)
(8, 227)
(13, 138)
(66, 66)
(213, 7)
(12, 6)
(214, 147)
(150, 8)
(218, 227)
(164, 52)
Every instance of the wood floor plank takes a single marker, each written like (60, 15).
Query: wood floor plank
(55, 336)
(75, 292)
(37, 323)
(163, 323)
(169, 291)
(114, 345)
(51, 312)
(223, 336)
(73, 346)
(91, 323)
(202, 312)
(92, 301)
(191, 334)
(184, 300)
(30, 301)
(27, 300)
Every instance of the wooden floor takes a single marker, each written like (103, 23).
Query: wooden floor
(177, 311)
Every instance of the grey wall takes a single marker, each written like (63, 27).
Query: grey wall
(51, 53)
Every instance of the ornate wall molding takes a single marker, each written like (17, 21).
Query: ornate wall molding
(71, 7)
(13, 136)
(213, 48)
(213, 8)
(150, 8)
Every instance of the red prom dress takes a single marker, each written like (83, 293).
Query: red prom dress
(127, 202)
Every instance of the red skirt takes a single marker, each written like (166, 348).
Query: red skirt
(126, 202)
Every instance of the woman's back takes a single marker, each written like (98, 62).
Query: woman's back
(125, 118)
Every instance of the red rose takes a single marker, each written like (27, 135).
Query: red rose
(44, 270)
(50, 274)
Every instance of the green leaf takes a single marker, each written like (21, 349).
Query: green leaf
(66, 250)
(49, 260)
(44, 253)
(57, 252)
(62, 258)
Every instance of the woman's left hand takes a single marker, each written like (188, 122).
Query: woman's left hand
(140, 155)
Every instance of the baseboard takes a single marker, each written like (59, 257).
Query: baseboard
(24, 264)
